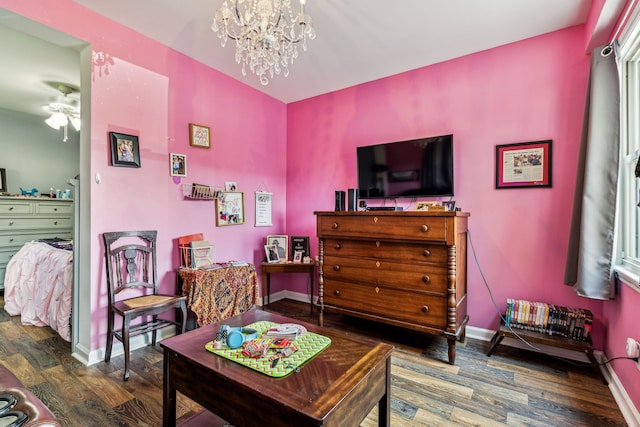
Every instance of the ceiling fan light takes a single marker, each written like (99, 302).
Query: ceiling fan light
(52, 122)
(75, 121)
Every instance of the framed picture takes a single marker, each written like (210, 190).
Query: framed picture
(297, 257)
(3, 180)
(300, 244)
(124, 150)
(230, 208)
(178, 164)
(523, 165)
(449, 205)
(230, 186)
(272, 253)
(199, 136)
(280, 242)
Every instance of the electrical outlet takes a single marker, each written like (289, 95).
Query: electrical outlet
(633, 350)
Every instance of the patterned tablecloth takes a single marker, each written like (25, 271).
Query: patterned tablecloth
(215, 295)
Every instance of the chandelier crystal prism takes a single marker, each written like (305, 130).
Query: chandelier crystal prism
(266, 32)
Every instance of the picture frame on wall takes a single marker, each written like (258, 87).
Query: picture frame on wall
(280, 241)
(125, 150)
(230, 208)
(523, 165)
(3, 180)
(178, 164)
(300, 244)
(199, 136)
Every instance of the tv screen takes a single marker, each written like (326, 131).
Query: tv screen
(416, 168)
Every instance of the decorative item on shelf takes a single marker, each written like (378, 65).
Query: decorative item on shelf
(428, 206)
(64, 109)
(271, 253)
(201, 191)
(523, 165)
(449, 205)
(280, 241)
(300, 244)
(178, 164)
(230, 208)
(199, 136)
(124, 150)
(230, 186)
(266, 33)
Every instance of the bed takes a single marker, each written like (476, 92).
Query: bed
(39, 283)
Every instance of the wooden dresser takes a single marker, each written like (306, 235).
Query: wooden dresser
(24, 219)
(406, 269)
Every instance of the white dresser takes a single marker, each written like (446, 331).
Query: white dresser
(24, 219)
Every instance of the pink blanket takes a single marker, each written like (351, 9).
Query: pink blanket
(38, 285)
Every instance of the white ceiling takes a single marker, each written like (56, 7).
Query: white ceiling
(357, 40)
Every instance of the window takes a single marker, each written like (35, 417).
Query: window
(629, 185)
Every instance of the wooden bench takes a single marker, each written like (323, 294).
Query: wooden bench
(556, 341)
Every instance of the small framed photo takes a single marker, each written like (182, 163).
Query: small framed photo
(3, 180)
(124, 150)
(230, 208)
(297, 257)
(272, 254)
(300, 244)
(178, 164)
(523, 165)
(449, 205)
(280, 242)
(230, 186)
(199, 136)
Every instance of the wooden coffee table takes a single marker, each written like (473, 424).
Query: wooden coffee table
(338, 387)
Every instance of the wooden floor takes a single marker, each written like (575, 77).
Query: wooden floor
(512, 387)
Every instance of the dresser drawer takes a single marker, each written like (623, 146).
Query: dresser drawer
(410, 307)
(65, 208)
(436, 254)
(5, 256)
(423, 278)
(14, 207)
(389, 227)
(13, 240)
(28, 223)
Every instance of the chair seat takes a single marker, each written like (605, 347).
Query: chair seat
(150, 300)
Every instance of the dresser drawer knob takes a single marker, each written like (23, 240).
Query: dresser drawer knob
(11, 208)
(11, 223)
(334, 225)
(337, 246)
(426, 279)
(55, 222)
(424, 228)
(55, 209)
(11, 240)
(336, 268)
(426, 252)
(425, 308)
(336, 293)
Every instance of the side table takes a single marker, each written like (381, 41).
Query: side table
(282, 267)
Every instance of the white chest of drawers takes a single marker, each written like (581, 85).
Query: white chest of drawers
(25, 219)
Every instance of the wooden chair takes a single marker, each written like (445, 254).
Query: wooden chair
(132, 276)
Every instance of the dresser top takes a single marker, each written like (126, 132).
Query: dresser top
(393, 213)
(33, 199)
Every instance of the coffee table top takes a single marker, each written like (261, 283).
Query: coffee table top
(314, 391)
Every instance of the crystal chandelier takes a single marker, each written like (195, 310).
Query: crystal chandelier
(266, 33)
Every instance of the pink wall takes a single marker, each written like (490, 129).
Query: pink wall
(155, 92)
(527, 91)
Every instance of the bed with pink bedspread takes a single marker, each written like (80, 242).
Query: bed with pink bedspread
(38, 286)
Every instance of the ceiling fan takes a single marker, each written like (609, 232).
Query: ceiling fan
(64, 109)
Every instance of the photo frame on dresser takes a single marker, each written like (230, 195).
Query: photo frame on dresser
(281, 243)
(3, 180)
(300, 244)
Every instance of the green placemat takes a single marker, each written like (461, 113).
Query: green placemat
(308, 346)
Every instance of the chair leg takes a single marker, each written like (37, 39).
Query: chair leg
(125, 343)
(153, 333)
(107, 353)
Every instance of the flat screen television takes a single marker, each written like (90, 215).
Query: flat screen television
(416, 168)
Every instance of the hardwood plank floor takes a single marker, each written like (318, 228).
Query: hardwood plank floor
(512, 387)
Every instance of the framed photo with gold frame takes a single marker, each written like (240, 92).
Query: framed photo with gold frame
(199, 136)
(230, 208)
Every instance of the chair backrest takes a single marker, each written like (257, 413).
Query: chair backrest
(130, 261)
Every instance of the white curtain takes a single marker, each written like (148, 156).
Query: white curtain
(589, 267)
